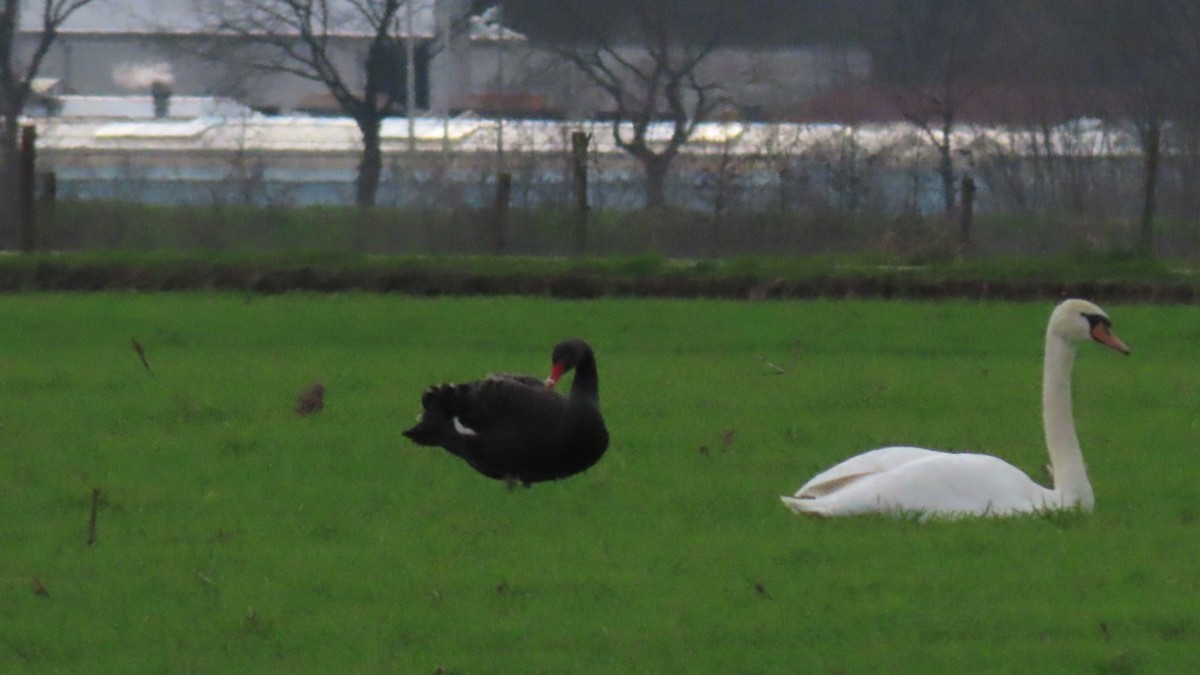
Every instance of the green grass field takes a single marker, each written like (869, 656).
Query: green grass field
(234, 536)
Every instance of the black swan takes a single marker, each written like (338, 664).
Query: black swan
(516, 428)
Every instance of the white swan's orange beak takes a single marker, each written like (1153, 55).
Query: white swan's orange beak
(1103, 334)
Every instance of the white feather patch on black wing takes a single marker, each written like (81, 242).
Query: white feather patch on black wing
(463, 429)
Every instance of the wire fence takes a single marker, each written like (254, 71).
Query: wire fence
(737, 188)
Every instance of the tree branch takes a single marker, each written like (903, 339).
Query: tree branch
(14, 87)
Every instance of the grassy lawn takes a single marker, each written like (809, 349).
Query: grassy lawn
(234, 536)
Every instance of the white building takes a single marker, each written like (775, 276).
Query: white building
(121, 47)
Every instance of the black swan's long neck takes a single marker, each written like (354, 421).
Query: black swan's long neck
(586, 384)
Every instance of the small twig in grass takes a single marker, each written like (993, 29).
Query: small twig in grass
(141, 352)
(772, 366)
(91, 538)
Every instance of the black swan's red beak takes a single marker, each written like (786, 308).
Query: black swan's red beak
(555, 372)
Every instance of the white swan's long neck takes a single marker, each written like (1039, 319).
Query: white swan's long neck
(1071, 483)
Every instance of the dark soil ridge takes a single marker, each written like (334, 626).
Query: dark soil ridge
(54, 276)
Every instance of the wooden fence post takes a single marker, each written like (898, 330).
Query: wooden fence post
(579, 156)
(47, 207)
(26, 180)
(500, 213)
(49, 189)
(968, 211)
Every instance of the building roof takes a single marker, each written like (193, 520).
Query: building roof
(142, 107)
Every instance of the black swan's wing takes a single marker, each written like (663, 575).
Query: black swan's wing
(519, 378)
(506, 429)
(507, 406)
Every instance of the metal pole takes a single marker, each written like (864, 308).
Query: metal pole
(499, 87)
(448, 57)
(500, 213)
(410, 76)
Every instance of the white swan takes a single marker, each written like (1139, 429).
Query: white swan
(929, 483)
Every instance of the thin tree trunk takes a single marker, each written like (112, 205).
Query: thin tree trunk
(8, 180)
(371, 164)
(26, 184)
(656, 181)
(946, 167)
(8, 138)
(579, 164)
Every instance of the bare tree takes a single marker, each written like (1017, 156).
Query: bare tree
(1180, 43)
(931, 54)
(1168, 70)
(1142, 55)
(300, 38)
(650, 71)
(17, 71)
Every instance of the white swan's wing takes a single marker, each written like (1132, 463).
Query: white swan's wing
(938, 485)
(857, 467)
